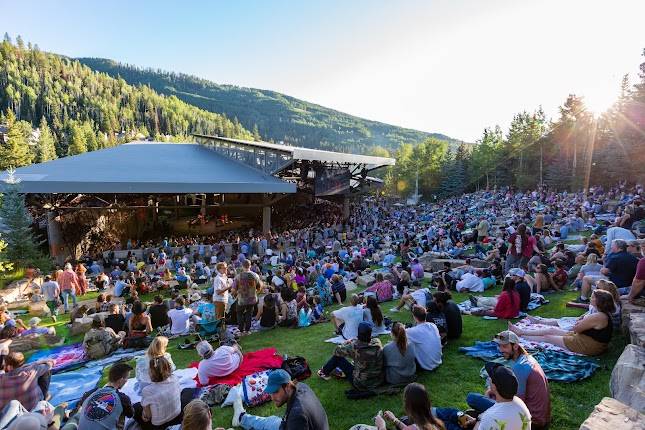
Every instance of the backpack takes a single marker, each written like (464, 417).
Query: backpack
(297, 367)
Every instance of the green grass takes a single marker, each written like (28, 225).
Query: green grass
(448, 385)
(6, 278)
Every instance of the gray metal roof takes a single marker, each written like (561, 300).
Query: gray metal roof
(147, 167)
(299, 153)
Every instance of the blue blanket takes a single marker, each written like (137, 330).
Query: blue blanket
(70, 386)
(557, 366)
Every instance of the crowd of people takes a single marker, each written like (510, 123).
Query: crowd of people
(289, 278)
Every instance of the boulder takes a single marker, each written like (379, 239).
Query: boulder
(628, 310)
(637, 329)
(350, 285)
(627, 382)
(365, 280)
(610, 414)
(39, 309)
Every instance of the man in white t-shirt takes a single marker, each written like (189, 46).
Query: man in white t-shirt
(426, 339)
(180, 318)
(509, 411)
(350, 316)
(470, 282)
(220, 362)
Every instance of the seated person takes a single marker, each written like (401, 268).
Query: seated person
(35, 330)
(180, 318)
(382, 288)
(205, 315)
(590, 336)
(426, 339)
(139, 324)
(338, 289)
(419, 410)
(158, 312)
(419, 297)
(347, 319)
(268, 313)
(115, 320)
(560, 276)
(521, 286)
(372, 314)
(304, 410)
(470, 282)
(100, 341)
(160, 404)
(156, 349)
(637, 288)
(506, 305)
(543, 280)
(91, 412)
(488, 279)
(197, 416)
(367, 353)
(215, 363)
(445, 314)
(27, 383)
(399, 357)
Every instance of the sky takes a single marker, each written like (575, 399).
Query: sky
(448, 66)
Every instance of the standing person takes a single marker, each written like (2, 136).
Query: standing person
(106, 407)
(221, 287)
(68, 282)
(532, 388)
(399, 357)
(419, 409)
(51, 293)
(304, 410)
(426, 339)
(509, 411)
(82, 280)
(246, 288)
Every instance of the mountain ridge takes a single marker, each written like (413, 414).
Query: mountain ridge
(272, 115)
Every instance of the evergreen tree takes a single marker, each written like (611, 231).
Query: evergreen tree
(46, 145)
(15, 153)
(22, 247)
(256, 133)
(77, 143)
(4, 264)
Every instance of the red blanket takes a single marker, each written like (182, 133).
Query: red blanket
(263, 359)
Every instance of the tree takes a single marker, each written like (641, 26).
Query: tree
(4, 264)
(46, 144)
(22, 246)
(15, 153)
(77, 143)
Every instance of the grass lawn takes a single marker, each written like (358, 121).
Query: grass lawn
(448, 385)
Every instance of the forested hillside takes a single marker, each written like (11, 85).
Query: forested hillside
(272, 115)
(81, 110)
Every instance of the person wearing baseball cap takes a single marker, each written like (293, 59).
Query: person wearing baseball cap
(508, 408)
(304, 410)
(533, 387)
(521, 286)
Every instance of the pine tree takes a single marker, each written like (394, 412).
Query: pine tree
(4, 264)
(76, 140)
(22, 247)
(256, 133)
(15, 153)
(46, 145)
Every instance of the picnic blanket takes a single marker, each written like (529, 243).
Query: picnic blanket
(557, 365)
(537, 300)
(70, 386)
(252, 362)
(65, 357)
(185, 376)
(378, 331)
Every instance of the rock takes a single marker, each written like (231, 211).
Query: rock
(627, 382)
(350, 285)
(365, 280)
(39, 309)
(637, 329)
(628, 310)
(610, 414)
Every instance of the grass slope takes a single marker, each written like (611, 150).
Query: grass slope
(448, 385)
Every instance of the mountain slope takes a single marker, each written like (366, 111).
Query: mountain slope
(278, 117)
(88, 110)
